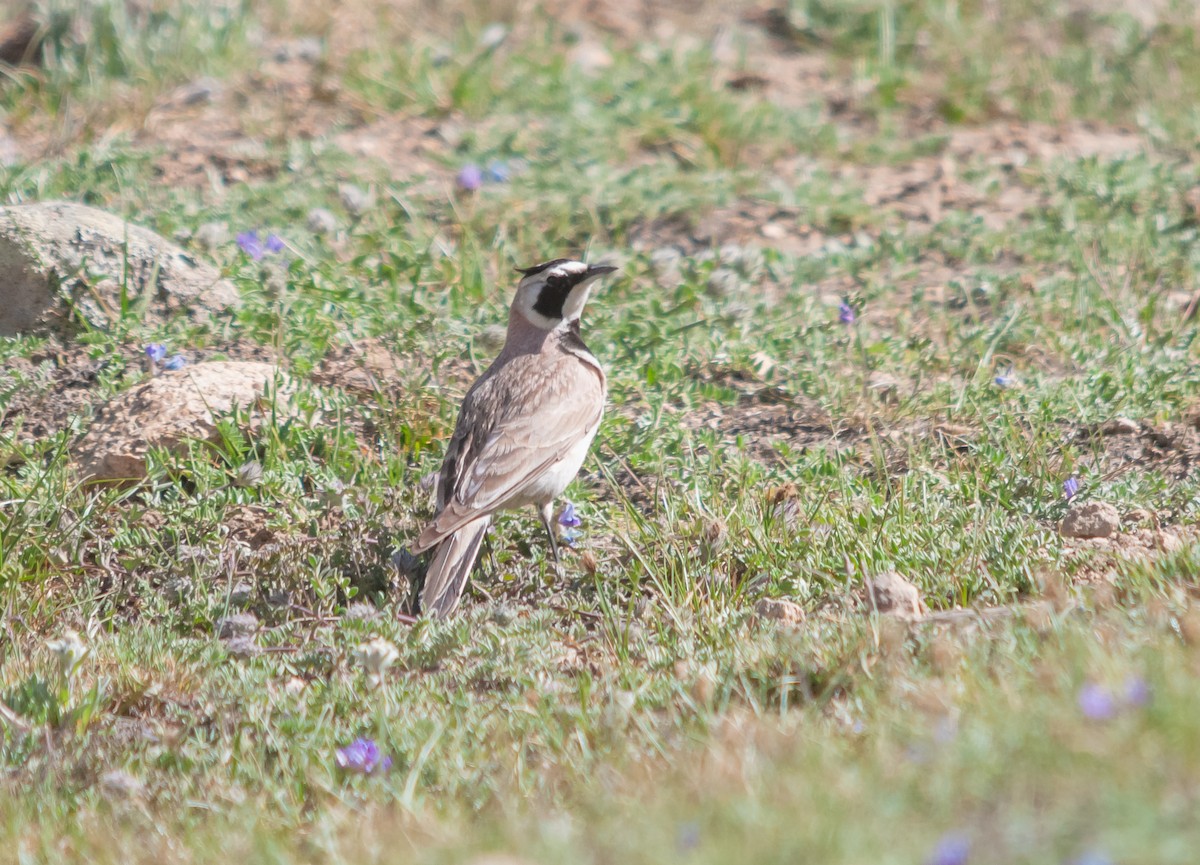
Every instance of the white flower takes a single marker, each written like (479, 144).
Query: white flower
(375, 657)
(69, 651)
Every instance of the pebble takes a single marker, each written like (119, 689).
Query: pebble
(722, 283)
(211, 235)
(242, 625)
(893, 595)
(321, 221)
(773, 231)
(778, 610)
(1121, 426)
(355, 199)
(117, 784)
(1091, 520)
(492, 36)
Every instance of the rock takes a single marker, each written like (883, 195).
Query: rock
(893, 595)
(773, 230)
(238, 625)
(321, 221)
(590, 58)
(1090, 520)
(171, 408)
(46, 247)
(778, 610)
(722, 283)
(883, 385)
(211, 235)
(1137, 515)
(1121, 426)
(118, 785)
(355, 199)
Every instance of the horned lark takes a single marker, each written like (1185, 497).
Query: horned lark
(524, 427)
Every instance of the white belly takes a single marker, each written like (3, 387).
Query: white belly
(549, 484)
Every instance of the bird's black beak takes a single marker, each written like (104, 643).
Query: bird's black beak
(595, 270)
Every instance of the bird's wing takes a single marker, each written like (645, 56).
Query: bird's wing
(486, 464)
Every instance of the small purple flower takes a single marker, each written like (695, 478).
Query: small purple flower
(1092, 857)
(1136, 692)
(497, 172)
(470, 178)
(568, 518)
(1070, 487)
(688, 837)
(1005, 379)
(156, 351)
(846, 313)
(362, 757)
(174, 362)
(255, 247)
(1096, 702)
(951, 849)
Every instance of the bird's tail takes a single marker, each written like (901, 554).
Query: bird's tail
(450, 568)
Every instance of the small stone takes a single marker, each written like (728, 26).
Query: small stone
(1167, 541)
(665, 262)
(198, 92)
(492, 36)
(1091, 520)
(211, 235)
(240, 595)
(1137, 515)
(778, 610)
(360, 612)
(355, 199)
(118, 785)
(893, 595)
(883, 385)
(237, 625)
(321, 221)
(242, 647)
(723, 283)
(590, 58)
(1121, 426)
(773, 231)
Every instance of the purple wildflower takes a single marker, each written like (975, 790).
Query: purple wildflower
(1136, 692)
(1096, 703)
(1092, 857)
(470, 178)
(1005, 379)
(1070, 487)
(362, 757)
(688, 837)
(174, 362)
(846, 314)
(568, 518)
(156, 351)
(255, 247)
(497, 172)
(951, 849)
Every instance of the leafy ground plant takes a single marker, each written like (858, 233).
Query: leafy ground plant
(906, 287)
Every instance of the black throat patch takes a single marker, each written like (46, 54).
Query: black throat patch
(554, 294)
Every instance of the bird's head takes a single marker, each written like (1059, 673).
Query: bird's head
(555, 292)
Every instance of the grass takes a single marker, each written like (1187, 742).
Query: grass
(636, 708)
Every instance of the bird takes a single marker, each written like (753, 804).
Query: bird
(524, 427)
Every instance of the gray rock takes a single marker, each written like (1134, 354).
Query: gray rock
(211, 235)
(355, 199)
(237, 625)
(51, 251)
(1091, 520)
(321, 221)
(722, 283)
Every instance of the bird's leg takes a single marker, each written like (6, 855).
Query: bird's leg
(547, 514)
